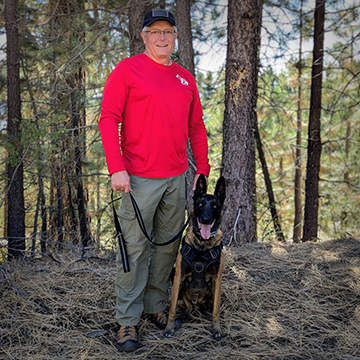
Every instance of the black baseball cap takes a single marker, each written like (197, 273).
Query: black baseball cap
(158, 14)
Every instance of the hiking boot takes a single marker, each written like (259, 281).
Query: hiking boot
(160, 320)
(127, 338)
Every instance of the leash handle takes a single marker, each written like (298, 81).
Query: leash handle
(120, 237)
(143, 227)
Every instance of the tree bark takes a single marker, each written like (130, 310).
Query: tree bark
(348, 120)
(238, 161)
(43, 235)
(69, 220)
(137, 11)
(310, 229)
(77, 100)
(298, 172)
(15, 190)
(60, 34)
(186, 59)
(185, 39)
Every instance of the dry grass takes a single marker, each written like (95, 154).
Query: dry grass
(278, 302)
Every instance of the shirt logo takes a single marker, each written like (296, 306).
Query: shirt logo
(183, 81)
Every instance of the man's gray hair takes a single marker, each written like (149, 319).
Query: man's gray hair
(145, 27)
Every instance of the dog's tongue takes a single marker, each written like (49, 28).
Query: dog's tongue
(205, 231)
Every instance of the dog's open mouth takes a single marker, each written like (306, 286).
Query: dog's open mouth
(205, 230)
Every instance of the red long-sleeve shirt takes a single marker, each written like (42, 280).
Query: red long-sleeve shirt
(158, 108)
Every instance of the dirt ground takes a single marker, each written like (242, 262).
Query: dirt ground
(279, 301)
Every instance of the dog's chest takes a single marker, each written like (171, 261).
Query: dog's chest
(199, 267)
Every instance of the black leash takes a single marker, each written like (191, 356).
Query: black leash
(120, 236)
(143, 228)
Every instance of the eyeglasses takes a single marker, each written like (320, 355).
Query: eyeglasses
(156, 33)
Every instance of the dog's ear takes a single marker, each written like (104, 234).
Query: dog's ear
(220, 190)
(201, 187)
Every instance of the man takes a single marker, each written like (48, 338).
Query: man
(157, 104)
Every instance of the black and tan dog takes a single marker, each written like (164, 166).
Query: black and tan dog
(200, 261)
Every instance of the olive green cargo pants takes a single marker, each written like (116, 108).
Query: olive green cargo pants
(145, 287)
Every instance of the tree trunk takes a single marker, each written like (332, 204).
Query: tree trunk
(186, 59)
(347, 149)
(310, 230)
(185, 44)
(15, 190)
(348, 120)
(137, 11)
(238, 159)
(269, 189)
(43, 235)
(98, 210)
(298, 172)
(67, 187)
(59, 209)
(61, 215)
(77, 100)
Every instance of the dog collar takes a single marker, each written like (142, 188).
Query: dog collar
(214, 233)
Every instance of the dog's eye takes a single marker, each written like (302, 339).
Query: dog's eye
(214, 206)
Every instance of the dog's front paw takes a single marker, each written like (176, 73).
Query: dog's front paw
(217, 335)
(169, 332)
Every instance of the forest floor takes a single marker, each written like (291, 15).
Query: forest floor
(278, 301)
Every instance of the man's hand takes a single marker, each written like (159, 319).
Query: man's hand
(196, 179)
(120, 181)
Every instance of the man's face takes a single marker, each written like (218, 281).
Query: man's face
(159, 46)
